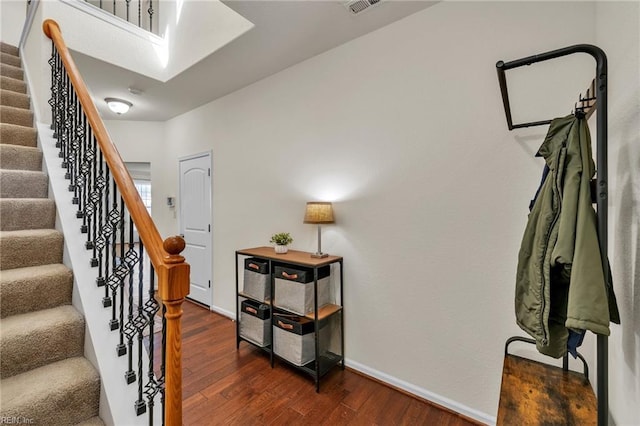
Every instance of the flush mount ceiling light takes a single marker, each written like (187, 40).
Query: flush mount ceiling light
(119, 106)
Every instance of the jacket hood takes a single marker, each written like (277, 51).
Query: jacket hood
(556, 138)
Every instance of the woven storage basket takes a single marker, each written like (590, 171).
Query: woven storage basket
(294, 339)
(255, 323)
(294, 288)
(257, 280)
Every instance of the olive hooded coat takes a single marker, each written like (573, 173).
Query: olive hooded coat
(561, 283)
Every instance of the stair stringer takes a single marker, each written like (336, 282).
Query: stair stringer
(116, 397)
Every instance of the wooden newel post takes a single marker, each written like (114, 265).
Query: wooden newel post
(173, 288)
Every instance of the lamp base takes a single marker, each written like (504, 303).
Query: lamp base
(319, 255)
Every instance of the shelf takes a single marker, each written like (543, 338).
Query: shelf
(294, 257)
(246, 296)
(323, 312)
(266, 348)
(327, 362)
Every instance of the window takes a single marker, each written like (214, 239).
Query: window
(144, 189)
(141, 175)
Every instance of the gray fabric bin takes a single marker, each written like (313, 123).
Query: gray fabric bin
(294, 342)
(294, 289)
(257, 280)
(255, 323)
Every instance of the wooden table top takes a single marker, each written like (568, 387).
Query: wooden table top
(297, 257)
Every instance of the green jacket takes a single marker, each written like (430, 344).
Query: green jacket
(560, 282)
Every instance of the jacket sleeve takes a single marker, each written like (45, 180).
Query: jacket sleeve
(587, 305)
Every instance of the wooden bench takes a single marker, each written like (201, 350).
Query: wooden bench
(534, 393)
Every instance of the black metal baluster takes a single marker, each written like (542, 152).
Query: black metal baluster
(155, 383)
(54, 87)
(151, 308)
(64, 119)
(60, 106)
(141, 322)
(105, 235)
(150, 10)
(55, 113)
(114, 7)
(118, 270)
(87, 167)
(94, 199)
(62, 110)
(78, 136)
(81, 181)
(70, 129)
(74, 145)
(128, 4)
(139, 13)
(122, 349)
(99, 243)
(85, 177)
(164, 358)
(130, 329)
(68, 125)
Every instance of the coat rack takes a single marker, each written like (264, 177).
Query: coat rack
(598, 90)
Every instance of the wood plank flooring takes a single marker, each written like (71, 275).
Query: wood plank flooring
(225, 386)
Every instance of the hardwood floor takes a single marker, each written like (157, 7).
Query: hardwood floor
(223, 385)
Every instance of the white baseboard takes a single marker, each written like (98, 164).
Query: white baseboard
(422, 393)
(222, 311)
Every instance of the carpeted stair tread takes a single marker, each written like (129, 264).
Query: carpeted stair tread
(15, 99)
(12, 134)
(33, 288)
(8, 83)
(11, 71)
(55, 334)
(15, 157)
(43, 376)
(13, 115)
(6, 58)
(93, 421)
(27, 213)
(20, 249)
(62, 393)
(23, 184)
(9, 49)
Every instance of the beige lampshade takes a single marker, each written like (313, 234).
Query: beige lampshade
(318, 212)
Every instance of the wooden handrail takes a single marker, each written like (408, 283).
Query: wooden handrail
(172, 270)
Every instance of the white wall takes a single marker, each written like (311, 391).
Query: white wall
(12, 14)
(618, 33)
(404, 130)
(143, 141)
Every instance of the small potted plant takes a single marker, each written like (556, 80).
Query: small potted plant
(281, 240)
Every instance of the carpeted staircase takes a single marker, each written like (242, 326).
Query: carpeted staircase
(44, 378)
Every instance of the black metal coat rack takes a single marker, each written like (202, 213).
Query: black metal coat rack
(601, 178)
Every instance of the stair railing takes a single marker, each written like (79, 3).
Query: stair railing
(140, 13)
(111, 210)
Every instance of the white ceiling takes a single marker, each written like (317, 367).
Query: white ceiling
(285, 33)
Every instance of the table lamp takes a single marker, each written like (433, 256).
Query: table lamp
(319, 212)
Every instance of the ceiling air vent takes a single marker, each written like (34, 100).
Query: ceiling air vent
(359, 6)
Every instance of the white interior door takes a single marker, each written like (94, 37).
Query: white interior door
(195, 223)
